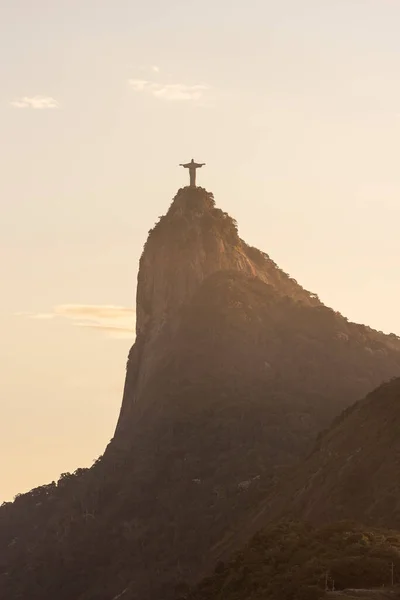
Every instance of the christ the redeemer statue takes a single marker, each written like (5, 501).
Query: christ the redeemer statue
(192, 166)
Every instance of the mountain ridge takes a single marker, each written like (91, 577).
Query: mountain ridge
(353, 467)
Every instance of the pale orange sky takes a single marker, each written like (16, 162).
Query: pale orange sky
(295, 108)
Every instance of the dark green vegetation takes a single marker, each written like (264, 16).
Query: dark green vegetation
(235, 370)
(295, 561)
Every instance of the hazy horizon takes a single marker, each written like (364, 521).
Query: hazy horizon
(295, 109)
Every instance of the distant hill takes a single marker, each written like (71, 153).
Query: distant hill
(354, 467)
(234, 371)
(295, 561)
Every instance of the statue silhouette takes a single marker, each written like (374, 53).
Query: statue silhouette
(192, 166)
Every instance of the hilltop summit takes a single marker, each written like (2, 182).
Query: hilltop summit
(192, 241)
(234, 371)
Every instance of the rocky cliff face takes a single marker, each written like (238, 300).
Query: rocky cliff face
(191, 242)
(234, 370)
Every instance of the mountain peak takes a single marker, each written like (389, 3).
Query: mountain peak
(193, 240)
(195, 200)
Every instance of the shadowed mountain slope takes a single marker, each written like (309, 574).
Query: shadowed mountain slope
(234, 370)
(353, 471)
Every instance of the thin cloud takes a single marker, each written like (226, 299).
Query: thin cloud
(116, 321)
(179, 91)
(140, 85)
(153, 68)
(37, 102)
(93, 311)
(32, 315)
(113, 330)
(104, 327)
(169, 91)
